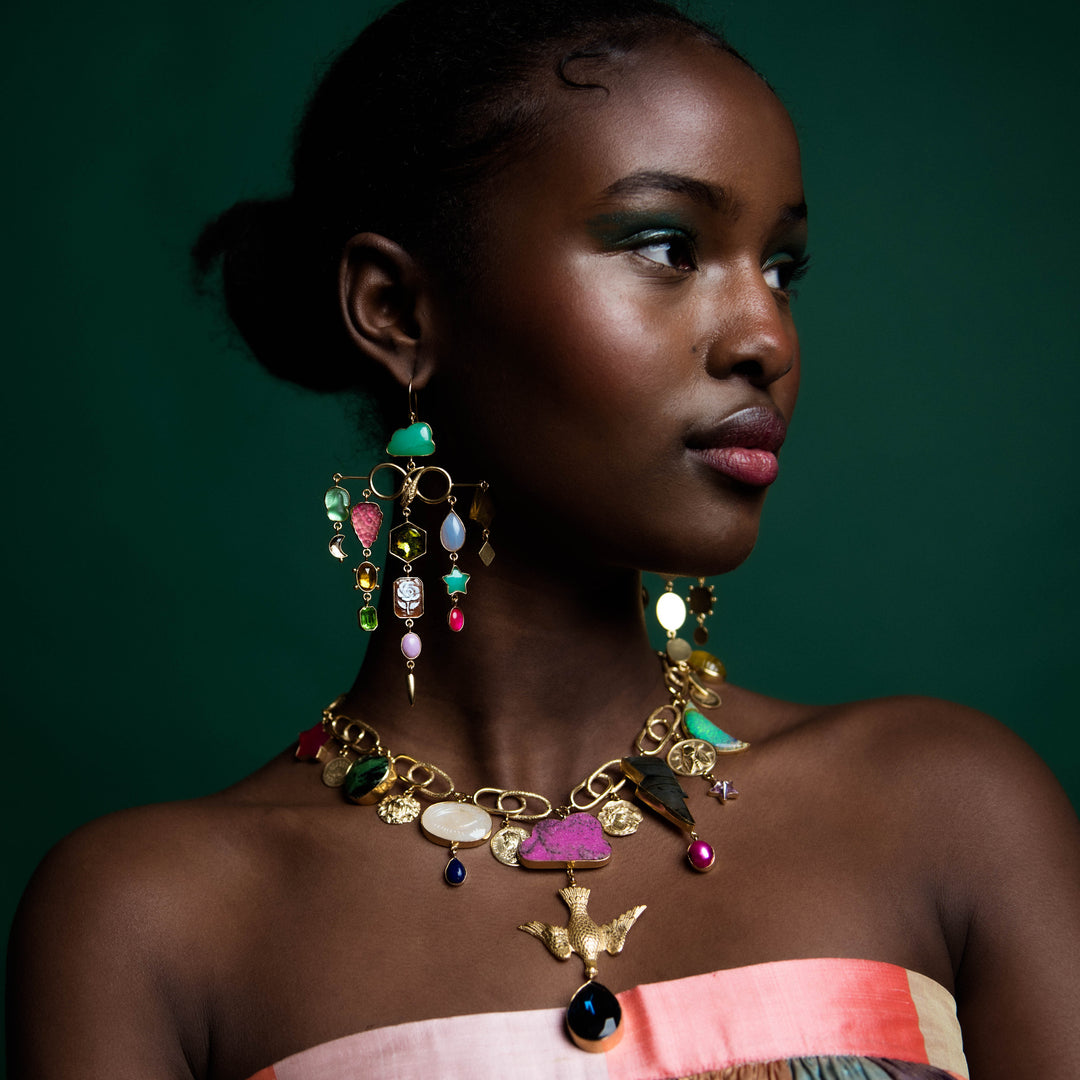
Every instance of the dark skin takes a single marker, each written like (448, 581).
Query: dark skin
(212, 938)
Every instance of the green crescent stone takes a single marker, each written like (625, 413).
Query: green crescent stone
(336, 501)
(699, 726)
(414, 441)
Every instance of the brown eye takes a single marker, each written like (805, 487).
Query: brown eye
(675, 252)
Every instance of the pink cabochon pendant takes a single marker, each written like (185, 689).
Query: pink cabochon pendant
(456, 618)
(366, 522)
(701, 856)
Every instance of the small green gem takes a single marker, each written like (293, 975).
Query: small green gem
(368, 617)
(408, 541)
(414, 441)
(336, 501)
(367, 776)
(456, 581)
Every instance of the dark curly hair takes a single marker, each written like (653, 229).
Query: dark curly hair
(425, 104)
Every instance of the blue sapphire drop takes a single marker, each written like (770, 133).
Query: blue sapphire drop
(455, 872)
(594, 1018)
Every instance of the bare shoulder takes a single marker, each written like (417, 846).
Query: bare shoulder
(120, 926)
(956, 793)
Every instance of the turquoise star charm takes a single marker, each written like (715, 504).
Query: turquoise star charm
(456, 581)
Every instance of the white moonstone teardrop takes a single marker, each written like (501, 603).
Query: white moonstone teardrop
(452, 532)
(670, 611)
(456, 823)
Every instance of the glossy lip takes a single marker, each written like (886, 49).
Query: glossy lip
(743, 445)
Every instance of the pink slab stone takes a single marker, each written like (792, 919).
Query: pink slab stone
(578, 839)
(366, 521)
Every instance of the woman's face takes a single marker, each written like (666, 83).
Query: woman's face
(625, 366)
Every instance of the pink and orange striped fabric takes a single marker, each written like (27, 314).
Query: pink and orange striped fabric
(789, 1020)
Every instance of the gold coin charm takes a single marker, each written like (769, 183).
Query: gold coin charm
(692, 757)
(335, 771)
(398, 809)
(620, 818)
(505, 843)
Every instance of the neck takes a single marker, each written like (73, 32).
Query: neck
(552, 676)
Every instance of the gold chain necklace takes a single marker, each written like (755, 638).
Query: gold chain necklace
(564, 837)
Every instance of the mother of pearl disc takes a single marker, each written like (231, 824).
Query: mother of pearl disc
(458, 823)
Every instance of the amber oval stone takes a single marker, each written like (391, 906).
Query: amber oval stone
(367, 576)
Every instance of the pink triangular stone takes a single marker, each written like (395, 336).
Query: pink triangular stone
(366, 520)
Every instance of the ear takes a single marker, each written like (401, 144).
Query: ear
(386, 305)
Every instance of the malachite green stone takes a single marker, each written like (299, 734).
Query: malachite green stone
(368, 617)
(698, 726)
(369, 779)
(414, 441)
(336, 501)
(408, 541)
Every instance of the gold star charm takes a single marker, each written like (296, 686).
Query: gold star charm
(581, 935)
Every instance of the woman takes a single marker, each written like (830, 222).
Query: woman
(579, 278)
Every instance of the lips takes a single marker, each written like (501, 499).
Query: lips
(743, 446)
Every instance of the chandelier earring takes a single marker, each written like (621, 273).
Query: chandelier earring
(407, 485)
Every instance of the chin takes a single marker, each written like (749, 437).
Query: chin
(710, 556)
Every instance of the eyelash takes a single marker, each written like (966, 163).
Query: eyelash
(790, 267)
(671, 239)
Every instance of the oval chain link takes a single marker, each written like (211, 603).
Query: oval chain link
(662, 724)
(516, 813)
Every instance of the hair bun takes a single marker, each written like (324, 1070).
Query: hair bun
(280, 290)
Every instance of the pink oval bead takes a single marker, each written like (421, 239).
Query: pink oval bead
(456, 618)
(701, 856)
(410, 645)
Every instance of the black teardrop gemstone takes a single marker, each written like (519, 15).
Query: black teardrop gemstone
(594, 1018)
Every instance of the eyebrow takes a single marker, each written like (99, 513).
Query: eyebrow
(710, 195)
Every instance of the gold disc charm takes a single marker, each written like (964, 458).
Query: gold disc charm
(335, 771)
(398, 809)
(620, 818)
(692, 757)
(505, 843)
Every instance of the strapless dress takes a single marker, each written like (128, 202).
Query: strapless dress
(827, 1019)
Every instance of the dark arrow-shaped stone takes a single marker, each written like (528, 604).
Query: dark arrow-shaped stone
(658, 789)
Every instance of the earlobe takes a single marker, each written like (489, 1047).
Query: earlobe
(385, 306)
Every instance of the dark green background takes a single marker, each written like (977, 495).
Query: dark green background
(174, 616)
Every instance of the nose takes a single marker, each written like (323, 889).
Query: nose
(753, 332)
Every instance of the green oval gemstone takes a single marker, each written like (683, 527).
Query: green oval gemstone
(369, 778)
(368, 617)
(336, 501)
